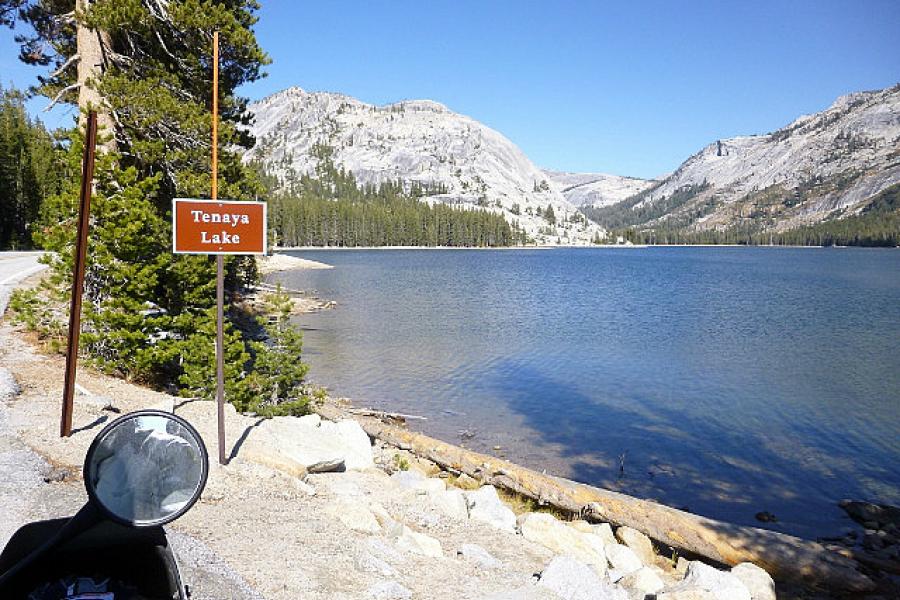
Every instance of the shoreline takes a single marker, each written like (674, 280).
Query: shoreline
(280, 249)
(266, 479)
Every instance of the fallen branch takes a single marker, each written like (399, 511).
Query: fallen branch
(785, 557)
(380, 414)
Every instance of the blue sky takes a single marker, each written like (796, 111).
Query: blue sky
(631, 88)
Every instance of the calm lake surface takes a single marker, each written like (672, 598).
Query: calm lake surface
(726, 380)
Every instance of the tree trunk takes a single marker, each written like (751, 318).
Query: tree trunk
(91, 65)
(784, 557)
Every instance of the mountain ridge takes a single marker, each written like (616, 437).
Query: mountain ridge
(819, 167)
(417, 142)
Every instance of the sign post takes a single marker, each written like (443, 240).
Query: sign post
(218, 227)
(84, 212)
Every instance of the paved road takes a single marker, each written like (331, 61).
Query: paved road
(14, 267)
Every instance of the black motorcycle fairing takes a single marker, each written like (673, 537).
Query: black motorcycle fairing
(140, 558)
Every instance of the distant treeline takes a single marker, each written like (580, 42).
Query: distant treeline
(330, 209)
(30, 170)
(878, 224)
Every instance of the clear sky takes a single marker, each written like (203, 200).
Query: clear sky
(632, 88)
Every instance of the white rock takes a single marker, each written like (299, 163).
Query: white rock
(9, 389)
(723, 585)
(479, 556)
(485, 506)
(545, 529)
(687, 594)
(303, 487)
(638, 542)
(757, 581)
(622, 558)
(644, 580)
(450, 502)
(354, 442)
(581, 525)
(419, 543)
(415, 480)
(368, 562)
(572, 580)
(389, 590)
(167, 404)
(312, 420)
(605, 533)
(355, 516)
(382, 550)
(319, 446)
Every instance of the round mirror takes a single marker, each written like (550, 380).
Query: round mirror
(146, 468)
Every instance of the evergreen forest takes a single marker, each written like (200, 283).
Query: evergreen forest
(29, 171)
(331, 209)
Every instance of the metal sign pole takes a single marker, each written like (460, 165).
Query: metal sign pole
(84, 212)
(220, 275)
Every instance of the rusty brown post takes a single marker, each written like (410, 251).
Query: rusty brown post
(84, 212)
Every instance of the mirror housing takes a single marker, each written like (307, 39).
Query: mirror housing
(146, 468)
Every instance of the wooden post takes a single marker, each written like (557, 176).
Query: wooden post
(84, 212)
(220, 262)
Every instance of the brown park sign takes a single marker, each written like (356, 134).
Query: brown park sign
(218, 227)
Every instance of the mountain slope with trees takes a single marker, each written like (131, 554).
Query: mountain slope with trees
(451, 158)
(808, 176)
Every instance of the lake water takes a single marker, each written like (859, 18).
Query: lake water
(726, 380)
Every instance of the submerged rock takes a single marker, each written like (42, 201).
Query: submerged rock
(880, 515)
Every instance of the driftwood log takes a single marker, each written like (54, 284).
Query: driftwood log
(785, 557)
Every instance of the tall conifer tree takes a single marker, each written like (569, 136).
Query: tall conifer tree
(145, 66)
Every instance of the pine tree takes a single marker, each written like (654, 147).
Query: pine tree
(549, 215)
(145, 66)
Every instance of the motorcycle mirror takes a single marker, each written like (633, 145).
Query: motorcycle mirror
(146, 468)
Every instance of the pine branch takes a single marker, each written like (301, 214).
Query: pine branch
(69, 62)
(61, 93)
